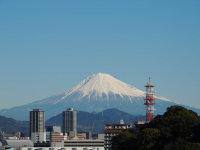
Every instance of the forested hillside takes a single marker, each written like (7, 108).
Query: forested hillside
(177, 129)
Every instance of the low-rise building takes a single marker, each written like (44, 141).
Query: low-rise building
(84, 145)
(18, 144)
(113, 130)
(81, 135)
(139, 124)
(73, 145)
(50, 129)
(57, 139)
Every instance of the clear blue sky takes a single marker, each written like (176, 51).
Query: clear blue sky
(49, 46)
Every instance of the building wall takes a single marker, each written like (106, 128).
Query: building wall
(62, 148)
(38, 137)
(57, 137)
(81, 136)
(50, 129)
(70, 121)
(113, 130)
(37, 125)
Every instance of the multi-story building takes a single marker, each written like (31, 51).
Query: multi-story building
(57, 139)
(73, 145)
(50, 129)
(84, 145)
(37, 126)
(53, 128)
(139, 124)
(70, 122)
(113, 130)
(81, 135)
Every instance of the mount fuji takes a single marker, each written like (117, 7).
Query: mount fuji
(96, 93)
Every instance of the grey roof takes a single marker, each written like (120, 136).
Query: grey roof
(37, 110)
(20, 143)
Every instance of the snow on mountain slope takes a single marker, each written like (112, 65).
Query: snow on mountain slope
(102, 85)
(96, 93)
(105, 83)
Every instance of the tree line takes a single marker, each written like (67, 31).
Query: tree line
(177, 129)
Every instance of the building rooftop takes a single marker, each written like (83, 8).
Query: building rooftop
(70, 109)
(20, 143)
(118, 124)
(37, 110)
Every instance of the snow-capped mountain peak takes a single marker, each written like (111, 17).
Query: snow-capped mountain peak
(95, 93)
(101, 83)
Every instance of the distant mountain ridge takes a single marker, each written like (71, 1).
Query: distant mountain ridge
(85, 121)
(10, 125)
(95, 93)
(95, 121)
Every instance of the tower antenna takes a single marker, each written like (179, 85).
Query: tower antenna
(149, 101)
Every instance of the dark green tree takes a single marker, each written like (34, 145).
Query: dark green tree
(148, 138)
(121, 141)
(177, 129)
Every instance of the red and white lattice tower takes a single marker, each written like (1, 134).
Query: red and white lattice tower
(149, 101)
